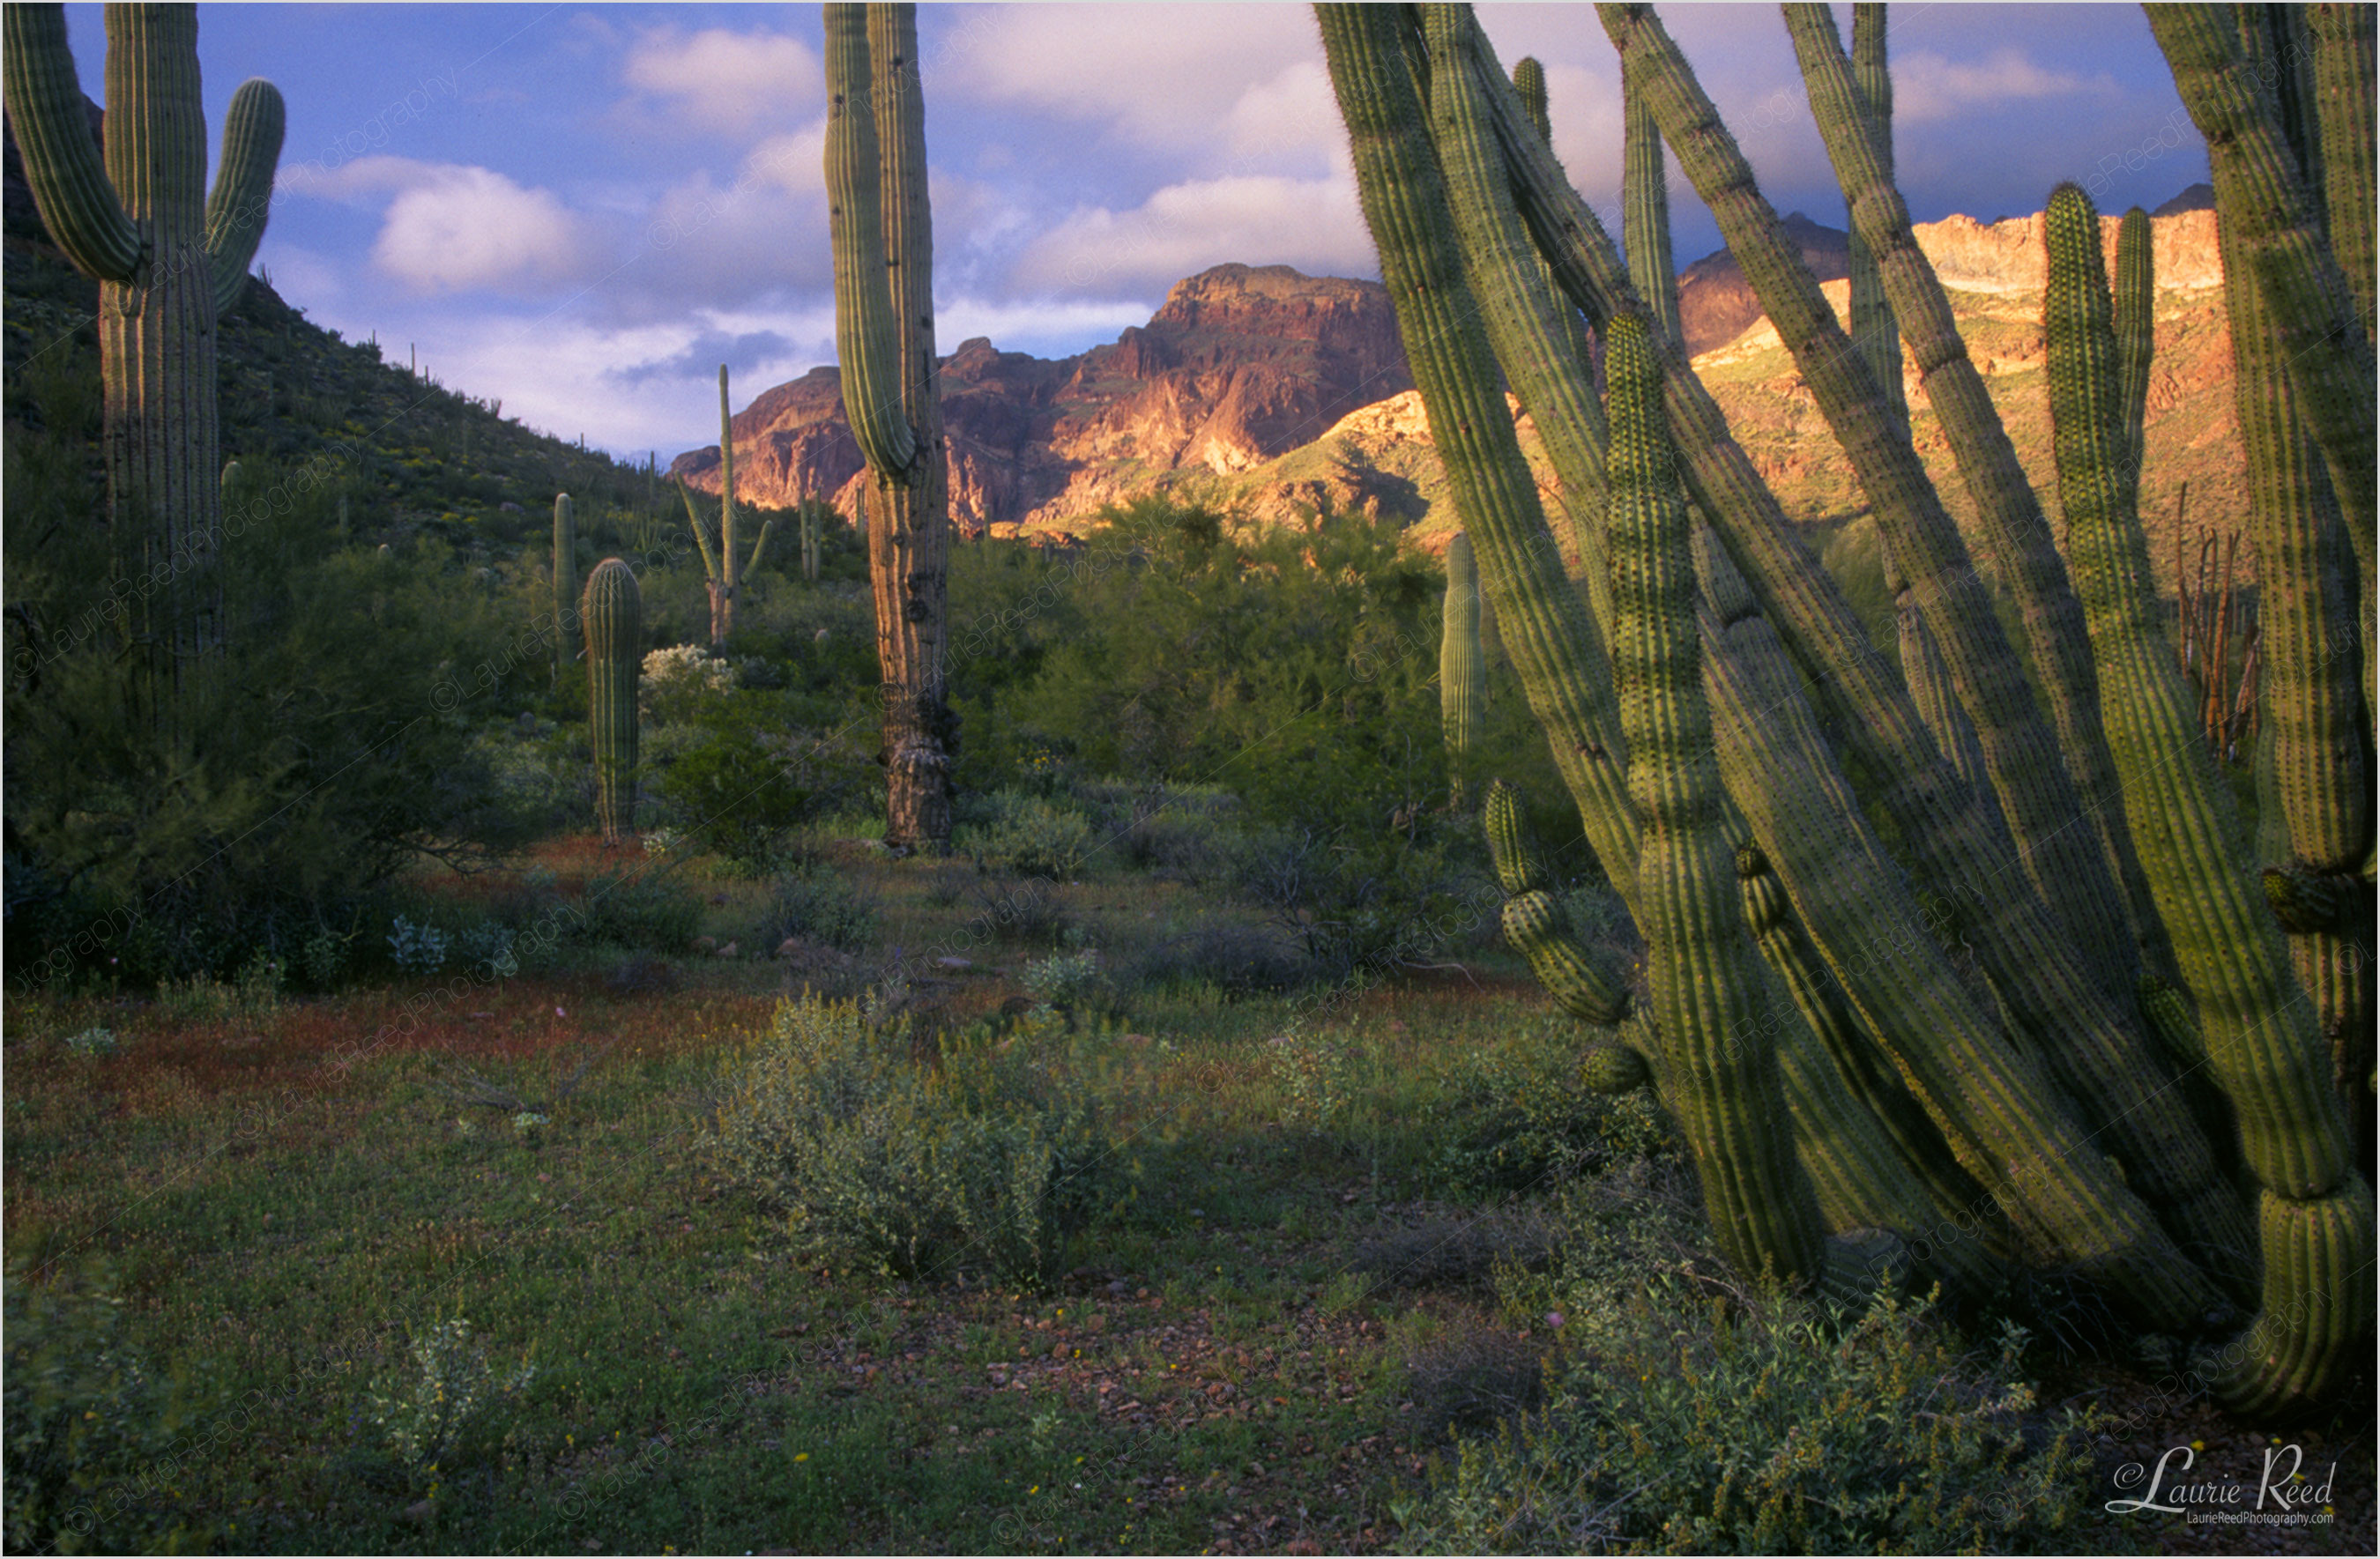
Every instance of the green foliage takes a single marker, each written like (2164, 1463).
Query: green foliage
(1519, 1116)
(424, 1413)
(738, 775)
(1771, 1428)
(821, 907)
(91, 1428)
(1016, 832)
(638, 907)
(1071, 985)
(985, 1160)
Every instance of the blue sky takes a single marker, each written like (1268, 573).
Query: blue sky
(583, 209)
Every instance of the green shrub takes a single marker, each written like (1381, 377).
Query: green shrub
(739, 774)
(1015, 831)
(638, 907)
(987, 1160)
(1684, 1425)
(1071, 985)
(90, 1427)
(1517, 1118)
(424, 1412)
(820, 907)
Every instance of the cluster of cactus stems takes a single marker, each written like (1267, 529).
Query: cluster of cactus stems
(722, 573)
(2123, 1002)
(1462, 672)
(169, 259)
(882, 233)
(613, 614)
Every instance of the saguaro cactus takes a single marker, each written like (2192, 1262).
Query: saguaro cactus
(1461, 673)
(720, 572)
(133, 221)
(884, 334)
(614, 611)
(566, 581)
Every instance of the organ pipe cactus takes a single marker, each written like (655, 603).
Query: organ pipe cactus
(1462, 672)
(614, 612)
(720, 572)
(1644, 208)
(2052, 1091)
(1721, 1076)
(2262, 1042)
(2344, 75)
(168, 260)
(2135, 315)
(882, 234)
(1873, 324)
(566, 581)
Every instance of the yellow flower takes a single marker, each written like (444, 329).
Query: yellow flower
(802, 1456)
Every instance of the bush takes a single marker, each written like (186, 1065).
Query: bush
(1018, 833)
(739, 775)
(821, 908)
(1233, 957)
(90, 1430)
(639, 908)
(423, 1414)
(1773, 1428)
(1518, 1119)
(1070, 984)
(989, 1160)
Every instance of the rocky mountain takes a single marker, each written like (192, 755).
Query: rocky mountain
(1716, 304)
(1241, 365)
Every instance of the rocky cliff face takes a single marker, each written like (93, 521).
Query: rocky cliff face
(1716, 304)
(1241, 365)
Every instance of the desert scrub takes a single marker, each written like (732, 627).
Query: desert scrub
(985, 1157)
(820, 906)
(424, 1412)
(1771, 1426)
(1518, 1116)
(1070, 985)
(1013, 831)
(91, 1428)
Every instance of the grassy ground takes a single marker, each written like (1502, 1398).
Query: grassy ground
(1266, 1349)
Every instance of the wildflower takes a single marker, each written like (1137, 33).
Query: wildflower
(802, 1456)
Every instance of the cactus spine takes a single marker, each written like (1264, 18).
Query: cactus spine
(166, 265)
(614, 612)
(1461, 673)
(566, 581)
(882, 235)
(2263, 1045)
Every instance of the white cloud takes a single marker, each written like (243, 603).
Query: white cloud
(1927, 86)
(1314, 224)
(1162, 76)
(351, 182)
(731, 82)
(464, 227)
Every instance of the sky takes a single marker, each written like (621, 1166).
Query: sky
(582, 211)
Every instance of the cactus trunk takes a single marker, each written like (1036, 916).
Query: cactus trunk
(137, 220)
(884, 332)
(566, 582)
(614, 612)
(1461, 673)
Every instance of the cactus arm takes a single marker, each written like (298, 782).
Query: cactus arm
(1644, 207)
(728, 577)
(760, 546)
(701, 534)
(1462, 672)
(1538, 614)
(2135, 306)
(69, 181)
(1529, 81)
(242, 198)
(2074, 868)
(1873, 325)
(2262, 1043)
(612, 610)
(1706, 980)
(2275, 220)
(2344, 78)
(866, 333)
(1529, 327)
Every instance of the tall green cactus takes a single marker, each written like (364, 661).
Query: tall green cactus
(882, 233)
(1644, 207)
(1722, 1076)
(566, 582)
(721, 575)
(2344, 75)
(2261, 1041)
(1462, 672)
(1873, 325)
(2135, 306)
(2043, 1084)
(614, 612)
(167, 265)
